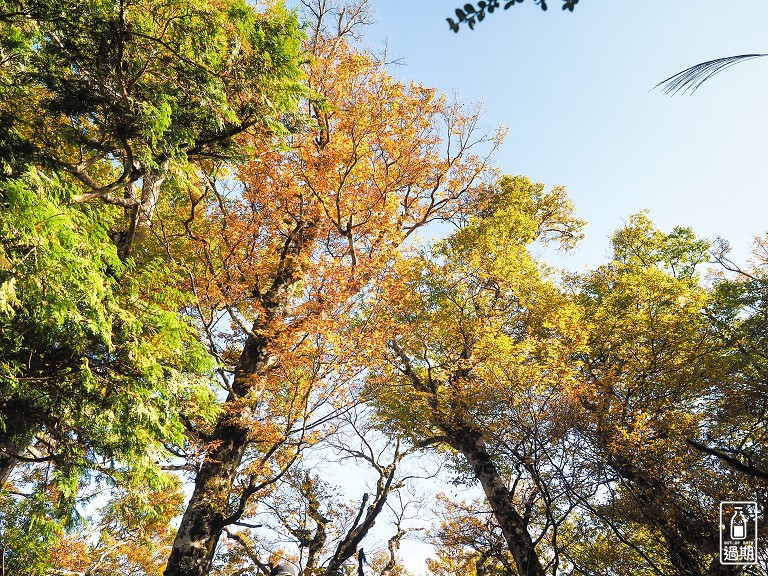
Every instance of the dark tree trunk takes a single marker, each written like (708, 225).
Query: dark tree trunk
(207, 512)
(471, 444)
(204, 518)
(16, 435)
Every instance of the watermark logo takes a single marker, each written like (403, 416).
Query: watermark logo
(738, 533)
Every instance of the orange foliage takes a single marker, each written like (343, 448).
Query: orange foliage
(315, 223)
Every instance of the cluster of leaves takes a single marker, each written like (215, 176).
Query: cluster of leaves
(470, 14)
(93, 364)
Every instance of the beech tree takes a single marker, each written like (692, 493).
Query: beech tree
(651, 356)
(734, 429)
(102, 104)
(656, 369)
(283, 255)
(210, 269)
(476, 331)
(575, 413)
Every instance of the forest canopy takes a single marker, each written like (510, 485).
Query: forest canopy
(242, 265)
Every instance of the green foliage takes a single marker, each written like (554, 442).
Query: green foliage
(653, 369)
(109, 90)
(736, 430)
(27, 534)
(470, 13)
(639, 245)
(98, 368)
(479, 316)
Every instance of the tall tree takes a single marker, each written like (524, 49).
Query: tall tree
(476, 331)
(101, 105)
(283, 255)
(652, 369)
(734, 430)
(101, 102)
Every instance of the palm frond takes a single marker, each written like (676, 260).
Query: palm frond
(692, 78)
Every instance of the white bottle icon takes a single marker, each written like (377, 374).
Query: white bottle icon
(738, 525)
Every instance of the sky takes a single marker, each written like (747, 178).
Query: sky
(575, 91)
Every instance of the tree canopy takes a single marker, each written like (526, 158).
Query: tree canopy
(215, 301)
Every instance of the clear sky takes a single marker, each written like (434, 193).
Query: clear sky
(574, 90)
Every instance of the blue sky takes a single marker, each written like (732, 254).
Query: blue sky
(574, 90)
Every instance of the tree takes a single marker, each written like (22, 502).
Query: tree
(317, 527)
(653, 369)
(27, 534)
(106, 98)
(468, 541)
(133, 534)
(284, 253)
(94, 370)
(574, 409)
(475, 330)
(734, 428)
(102, 105)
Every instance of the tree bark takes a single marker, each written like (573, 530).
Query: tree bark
(142, 212)
(206, 514)
(514, 527)
(150, 194)
(7, 461)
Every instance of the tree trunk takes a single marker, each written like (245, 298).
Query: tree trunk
(16, 435)
(141, 214)
(150, 194)
(468, 440)
(514, 527)
(205, 517)
(207, 512)
(7, 462)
